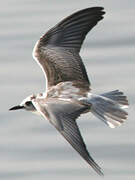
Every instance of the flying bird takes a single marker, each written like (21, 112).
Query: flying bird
(68, 89)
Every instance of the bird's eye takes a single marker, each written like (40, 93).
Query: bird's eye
(28, 103)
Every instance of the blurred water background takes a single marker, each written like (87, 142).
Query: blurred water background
(30, 148)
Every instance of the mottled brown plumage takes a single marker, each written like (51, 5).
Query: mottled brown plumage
(58, 50)
(68, 92)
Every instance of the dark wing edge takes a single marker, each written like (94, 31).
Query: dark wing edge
(71, 31)
(66, 114)
(73, 136)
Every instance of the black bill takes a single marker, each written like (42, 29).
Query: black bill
(16, 107)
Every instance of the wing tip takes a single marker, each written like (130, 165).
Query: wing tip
(97, 169)
(95, 166)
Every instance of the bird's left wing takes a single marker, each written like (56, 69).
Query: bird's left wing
(63, 115)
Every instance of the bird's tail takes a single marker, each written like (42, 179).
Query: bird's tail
(109, 107)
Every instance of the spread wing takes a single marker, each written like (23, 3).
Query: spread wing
(58, 50)
(63, 115)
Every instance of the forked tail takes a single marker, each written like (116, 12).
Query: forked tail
(109, 107)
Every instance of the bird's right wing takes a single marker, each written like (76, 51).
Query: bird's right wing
(71, 31)
(63, 115)
(58, 50)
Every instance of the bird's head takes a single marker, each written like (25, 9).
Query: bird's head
(26, 104)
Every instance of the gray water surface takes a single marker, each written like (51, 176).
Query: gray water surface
(30, 148)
